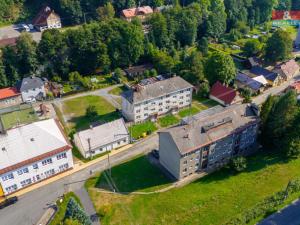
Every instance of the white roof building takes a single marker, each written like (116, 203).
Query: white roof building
(102, 138)
(261, 79)
(31, 153)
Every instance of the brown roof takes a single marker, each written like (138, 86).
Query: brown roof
(211, 128)
(42, 16)
(139, 68)
(220, 91)
(132, 12)
(289, 68)
(8, 41)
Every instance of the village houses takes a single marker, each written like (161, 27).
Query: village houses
(46, 19)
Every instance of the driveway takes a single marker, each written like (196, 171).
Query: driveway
(15, 31)
(31, 206)
(288, 216)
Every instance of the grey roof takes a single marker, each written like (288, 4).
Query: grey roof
(211, 128)
(260, 71)
(248, 81)
(102, 135)
(157, 89)
(28, 83)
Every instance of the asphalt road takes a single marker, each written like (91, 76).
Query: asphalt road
(287, 216)
(31, 206)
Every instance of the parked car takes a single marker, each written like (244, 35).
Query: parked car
(31, 27)
(30, 100)
(8, 202)
(24, 27)
(155, 153)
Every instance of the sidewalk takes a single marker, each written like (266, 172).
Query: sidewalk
(77, 167)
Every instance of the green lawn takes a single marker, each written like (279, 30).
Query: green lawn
(117, 90)
(138, 130)
(168, 120)
(188, 111)
(75, 109)
(214, 199)
(59, 216)
(18, 117)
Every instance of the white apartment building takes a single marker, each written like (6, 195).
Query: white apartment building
(31, 153)
(149, 101)
(102, 138)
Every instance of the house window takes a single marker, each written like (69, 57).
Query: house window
(11, 188)
(185, 162)
(64, 167)
(160, 103)
(160, 110)
(167, 96)
(138, 111)
(146, 114)
(184, 170)
(168, 101)
(61, 156)
(181, 97)
(138, 117)
(180, 103)
(26, 182)
(49, 172)
(46, 162)
(35, 166)
(118, 142)
(8, 177)
(24, 170)
(146, 108)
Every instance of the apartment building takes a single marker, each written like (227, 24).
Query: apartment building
(209, 142)
(32, 153)
(149, 100)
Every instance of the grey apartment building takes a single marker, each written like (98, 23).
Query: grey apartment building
(209, 142)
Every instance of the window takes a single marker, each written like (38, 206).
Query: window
(167, 96)
(138, 117)
(168, 101)
(118, 142)
(8, 177)
(49, 172)
(11, 188)
(180, 103)
(174, 96)
(24, 170)
(46, 162)
(181, 97)
(160, 110)
(160, 103)
(146, 114)
(184, 170)
(138, 111)
(185, 162)
(35, 166)
(26, 182)
(61, 156)
(146, 108)
(124, 141)
(64, 167)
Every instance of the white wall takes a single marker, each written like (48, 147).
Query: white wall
(33, 93)
(33, 173)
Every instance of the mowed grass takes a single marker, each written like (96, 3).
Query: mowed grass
(75, 109)
(129, 177)
(138, 130)
(188, 111)
(18, 117)
(117, 90)
(214, 199)
(168, 120)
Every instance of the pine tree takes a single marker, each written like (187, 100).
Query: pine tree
(75, 212)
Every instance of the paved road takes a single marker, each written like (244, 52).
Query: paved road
(14, 31)
(32, 205)
(288, 216)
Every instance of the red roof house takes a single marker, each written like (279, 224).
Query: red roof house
(9, 96)
(222, 94)
(140, 12)
(288, 70)
(295, 86)
(46, 19)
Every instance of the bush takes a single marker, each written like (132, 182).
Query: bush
(204, 89)
(91, 112)
(239, 164)
(75, 212)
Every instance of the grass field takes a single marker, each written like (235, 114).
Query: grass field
(188, 111)
(18, 117)
(117, 90)
(214, 199)
(75, 110)
(138, 130)
(168, 120)
(59, 216)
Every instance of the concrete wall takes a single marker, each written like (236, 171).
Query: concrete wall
(169, 155)
(11, 101)
(36, 175)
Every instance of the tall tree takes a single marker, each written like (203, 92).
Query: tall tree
(106, 12)
(71, 11)
(10, 65)
(279, 46)
(159, 30)
(3, 78)
(216, 23)
(75, 212)
(220, 67)
(252, 47)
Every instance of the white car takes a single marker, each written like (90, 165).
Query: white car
(31, 27)
(30, 100)
(25, 27)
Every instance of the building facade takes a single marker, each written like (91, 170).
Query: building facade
(9, 97)
(32, 89)
(138, 12)
(210, 142)
(32, 153)
(46, 19)
(148, 102)
(102, 138)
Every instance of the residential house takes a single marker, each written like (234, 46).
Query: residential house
(223, 94)
(209, 142)
(137, 71)
(9, 97)
(256, 85)
(157, 97)
(288, 70)
(273, 78)
(138, 12)
(32, 88)
(295, 86)
(32, 153)
(46, 19)
(102, 138)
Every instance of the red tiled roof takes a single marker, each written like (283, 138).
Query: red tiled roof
(296, 86)
(8, 92)
(8, 41)
(220, 91)
(144, 10)
(42, 16)
(280, 15)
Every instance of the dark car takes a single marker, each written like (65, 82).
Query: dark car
(155, 153)
(8, 202)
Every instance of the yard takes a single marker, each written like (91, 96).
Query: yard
(18, 117)
(74, 111)
(214, 199)
(139, 130)
(168, 120)
(117, 90)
